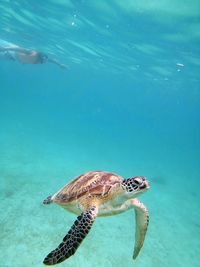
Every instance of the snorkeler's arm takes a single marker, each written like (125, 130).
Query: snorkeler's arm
(54, 61)
(15, 49)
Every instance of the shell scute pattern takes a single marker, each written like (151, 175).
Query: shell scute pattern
(90, 184)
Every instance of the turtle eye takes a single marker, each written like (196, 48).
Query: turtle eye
(137, 180)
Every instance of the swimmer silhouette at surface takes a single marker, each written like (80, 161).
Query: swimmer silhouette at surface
(12, 52)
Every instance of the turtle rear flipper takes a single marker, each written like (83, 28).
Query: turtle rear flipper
(47, 200)
(74, 237)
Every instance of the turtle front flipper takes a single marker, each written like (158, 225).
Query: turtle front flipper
(74, 237)
(142, 220)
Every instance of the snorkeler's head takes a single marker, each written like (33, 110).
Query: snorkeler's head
(42, 57)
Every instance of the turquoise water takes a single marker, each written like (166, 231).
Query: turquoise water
(129, 103)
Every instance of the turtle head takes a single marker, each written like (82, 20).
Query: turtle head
(135, 185)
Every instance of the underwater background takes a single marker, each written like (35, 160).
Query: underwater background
(128, 103)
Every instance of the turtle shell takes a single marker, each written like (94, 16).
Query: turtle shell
(98, 183)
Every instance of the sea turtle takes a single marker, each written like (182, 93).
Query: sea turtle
(98, 193)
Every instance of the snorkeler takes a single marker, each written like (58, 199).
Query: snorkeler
(13, 52)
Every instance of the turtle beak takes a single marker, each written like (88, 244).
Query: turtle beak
(146, 182)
